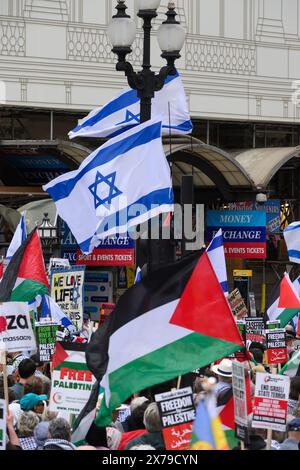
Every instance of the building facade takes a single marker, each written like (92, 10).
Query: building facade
(240, 61)
(241, 70)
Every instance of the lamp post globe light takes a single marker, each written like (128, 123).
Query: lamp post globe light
(49, 236)
(171, 36)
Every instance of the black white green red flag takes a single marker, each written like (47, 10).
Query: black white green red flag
(175, 320)
(25, 277)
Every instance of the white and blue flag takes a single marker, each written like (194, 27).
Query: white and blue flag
(52, 310)
(124, 183)
(292, 239)
(19, 237)
(123, 112)
(215, 252)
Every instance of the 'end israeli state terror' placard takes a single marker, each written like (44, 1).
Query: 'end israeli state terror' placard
(244, 232)
(271, 401)
(72, 381)
(177, 412)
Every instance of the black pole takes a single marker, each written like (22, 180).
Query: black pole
(148, 89)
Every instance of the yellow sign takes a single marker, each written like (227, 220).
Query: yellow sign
(242, 273)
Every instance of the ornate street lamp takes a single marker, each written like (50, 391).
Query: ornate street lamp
(171, 36)
(49, 236)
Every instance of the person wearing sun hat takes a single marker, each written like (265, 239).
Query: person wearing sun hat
(224, 372)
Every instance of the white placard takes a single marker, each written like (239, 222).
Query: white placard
(18, 335)
(271, 401)
(239, 394)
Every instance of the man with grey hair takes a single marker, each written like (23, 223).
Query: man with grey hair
(153, 426)
(59, 433)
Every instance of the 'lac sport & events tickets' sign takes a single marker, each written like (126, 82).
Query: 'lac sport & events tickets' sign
(15, 327)
(117, 250)
(244, 232)
(72, 381)
(67, 291)
(177, 412)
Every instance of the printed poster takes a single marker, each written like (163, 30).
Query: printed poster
(240, 400)
(46, 340)
(177, 412)
(72, 381)
(271, 401)
(67, 291)
(277, 352)
(16, 328)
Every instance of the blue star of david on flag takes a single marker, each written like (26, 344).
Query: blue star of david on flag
(108, 190)
(76, 295)
(129, 118)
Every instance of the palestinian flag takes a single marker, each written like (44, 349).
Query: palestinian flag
(226, 413)
(25, 276)
(292, 368)
(175, 320)
(285, 313)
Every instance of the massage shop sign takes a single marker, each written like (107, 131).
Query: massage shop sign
(271, 401)
(177, 413)
(72, 381)
(244, 232)
(67, 291)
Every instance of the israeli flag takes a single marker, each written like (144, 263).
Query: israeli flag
(19, 237)
(120, 185)
(123, 113)
(292, 239)
(52, 310)
(215, 252)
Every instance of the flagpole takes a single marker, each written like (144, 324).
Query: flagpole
(263, 289)
(270, 431)
(4, 368)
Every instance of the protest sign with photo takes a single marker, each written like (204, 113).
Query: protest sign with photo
(240, 400)
(177, 412)
(3, 407)
(15, 327)
(67, 291)
(46, 340)
(271, 401)
(277, 352)
(237, 304)
(255, 329)
(72, 381)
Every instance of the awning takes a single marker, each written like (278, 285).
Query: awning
(262, 164)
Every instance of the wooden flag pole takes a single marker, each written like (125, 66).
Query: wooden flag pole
(4, 367)
(179, 382)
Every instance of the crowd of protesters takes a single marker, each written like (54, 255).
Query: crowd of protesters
(136, 424)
